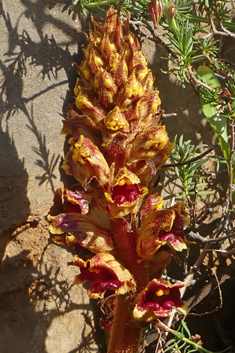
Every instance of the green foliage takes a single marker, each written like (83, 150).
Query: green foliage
(211, 105)
(182, 43)
(218, 107)
(189, 174)
(138, 9)
(189, 46)
(91, 5)
(218, 9)
(182, 341)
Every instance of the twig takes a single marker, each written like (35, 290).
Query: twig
(197, 236)
(169, 115)
(229, 34)
(189, 160)
(196, 81)
(220, 297)
(225, 32)
(222, 73)
(159, 348)
(189, 277)
(221, 278)
(230, 63)
(179, 336)
(157, 39)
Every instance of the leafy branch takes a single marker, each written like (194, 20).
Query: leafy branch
(182, 340)
(187, 163)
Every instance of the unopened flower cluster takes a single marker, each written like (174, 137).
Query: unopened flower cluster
(117, 145)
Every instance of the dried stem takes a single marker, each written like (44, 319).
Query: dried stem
(197, 236)
(197, 82)
(215, 31)
(125, 335)
(125, 243)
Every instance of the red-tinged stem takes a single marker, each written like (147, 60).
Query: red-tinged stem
(125, 245)
(125, 334)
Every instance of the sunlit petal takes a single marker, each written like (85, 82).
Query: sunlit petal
(157, 300)
(104, 272)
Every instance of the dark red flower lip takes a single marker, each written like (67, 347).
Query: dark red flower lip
(103, 272)
(127, 193)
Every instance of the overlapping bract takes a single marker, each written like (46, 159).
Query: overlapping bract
(117, 145)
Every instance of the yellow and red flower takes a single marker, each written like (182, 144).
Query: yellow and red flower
(103, 272)
(125, 194)
(162, 227)
(157, 300)
(117, 145)
(88, 228)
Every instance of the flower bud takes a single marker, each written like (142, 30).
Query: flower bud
(84, 161)
(155, 8)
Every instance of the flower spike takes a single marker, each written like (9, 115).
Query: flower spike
(122, 236)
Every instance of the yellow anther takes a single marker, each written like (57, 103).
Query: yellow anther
(122, 182)
(71, 238)
(159, 292)
(96, 270)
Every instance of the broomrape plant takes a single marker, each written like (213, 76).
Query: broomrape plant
(117, 145)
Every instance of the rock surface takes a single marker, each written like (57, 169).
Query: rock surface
(40, 308)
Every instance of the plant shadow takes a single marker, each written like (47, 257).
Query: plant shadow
(35, 295)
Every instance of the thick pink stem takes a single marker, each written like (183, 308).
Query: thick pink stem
(124, 236)
(126, 333)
